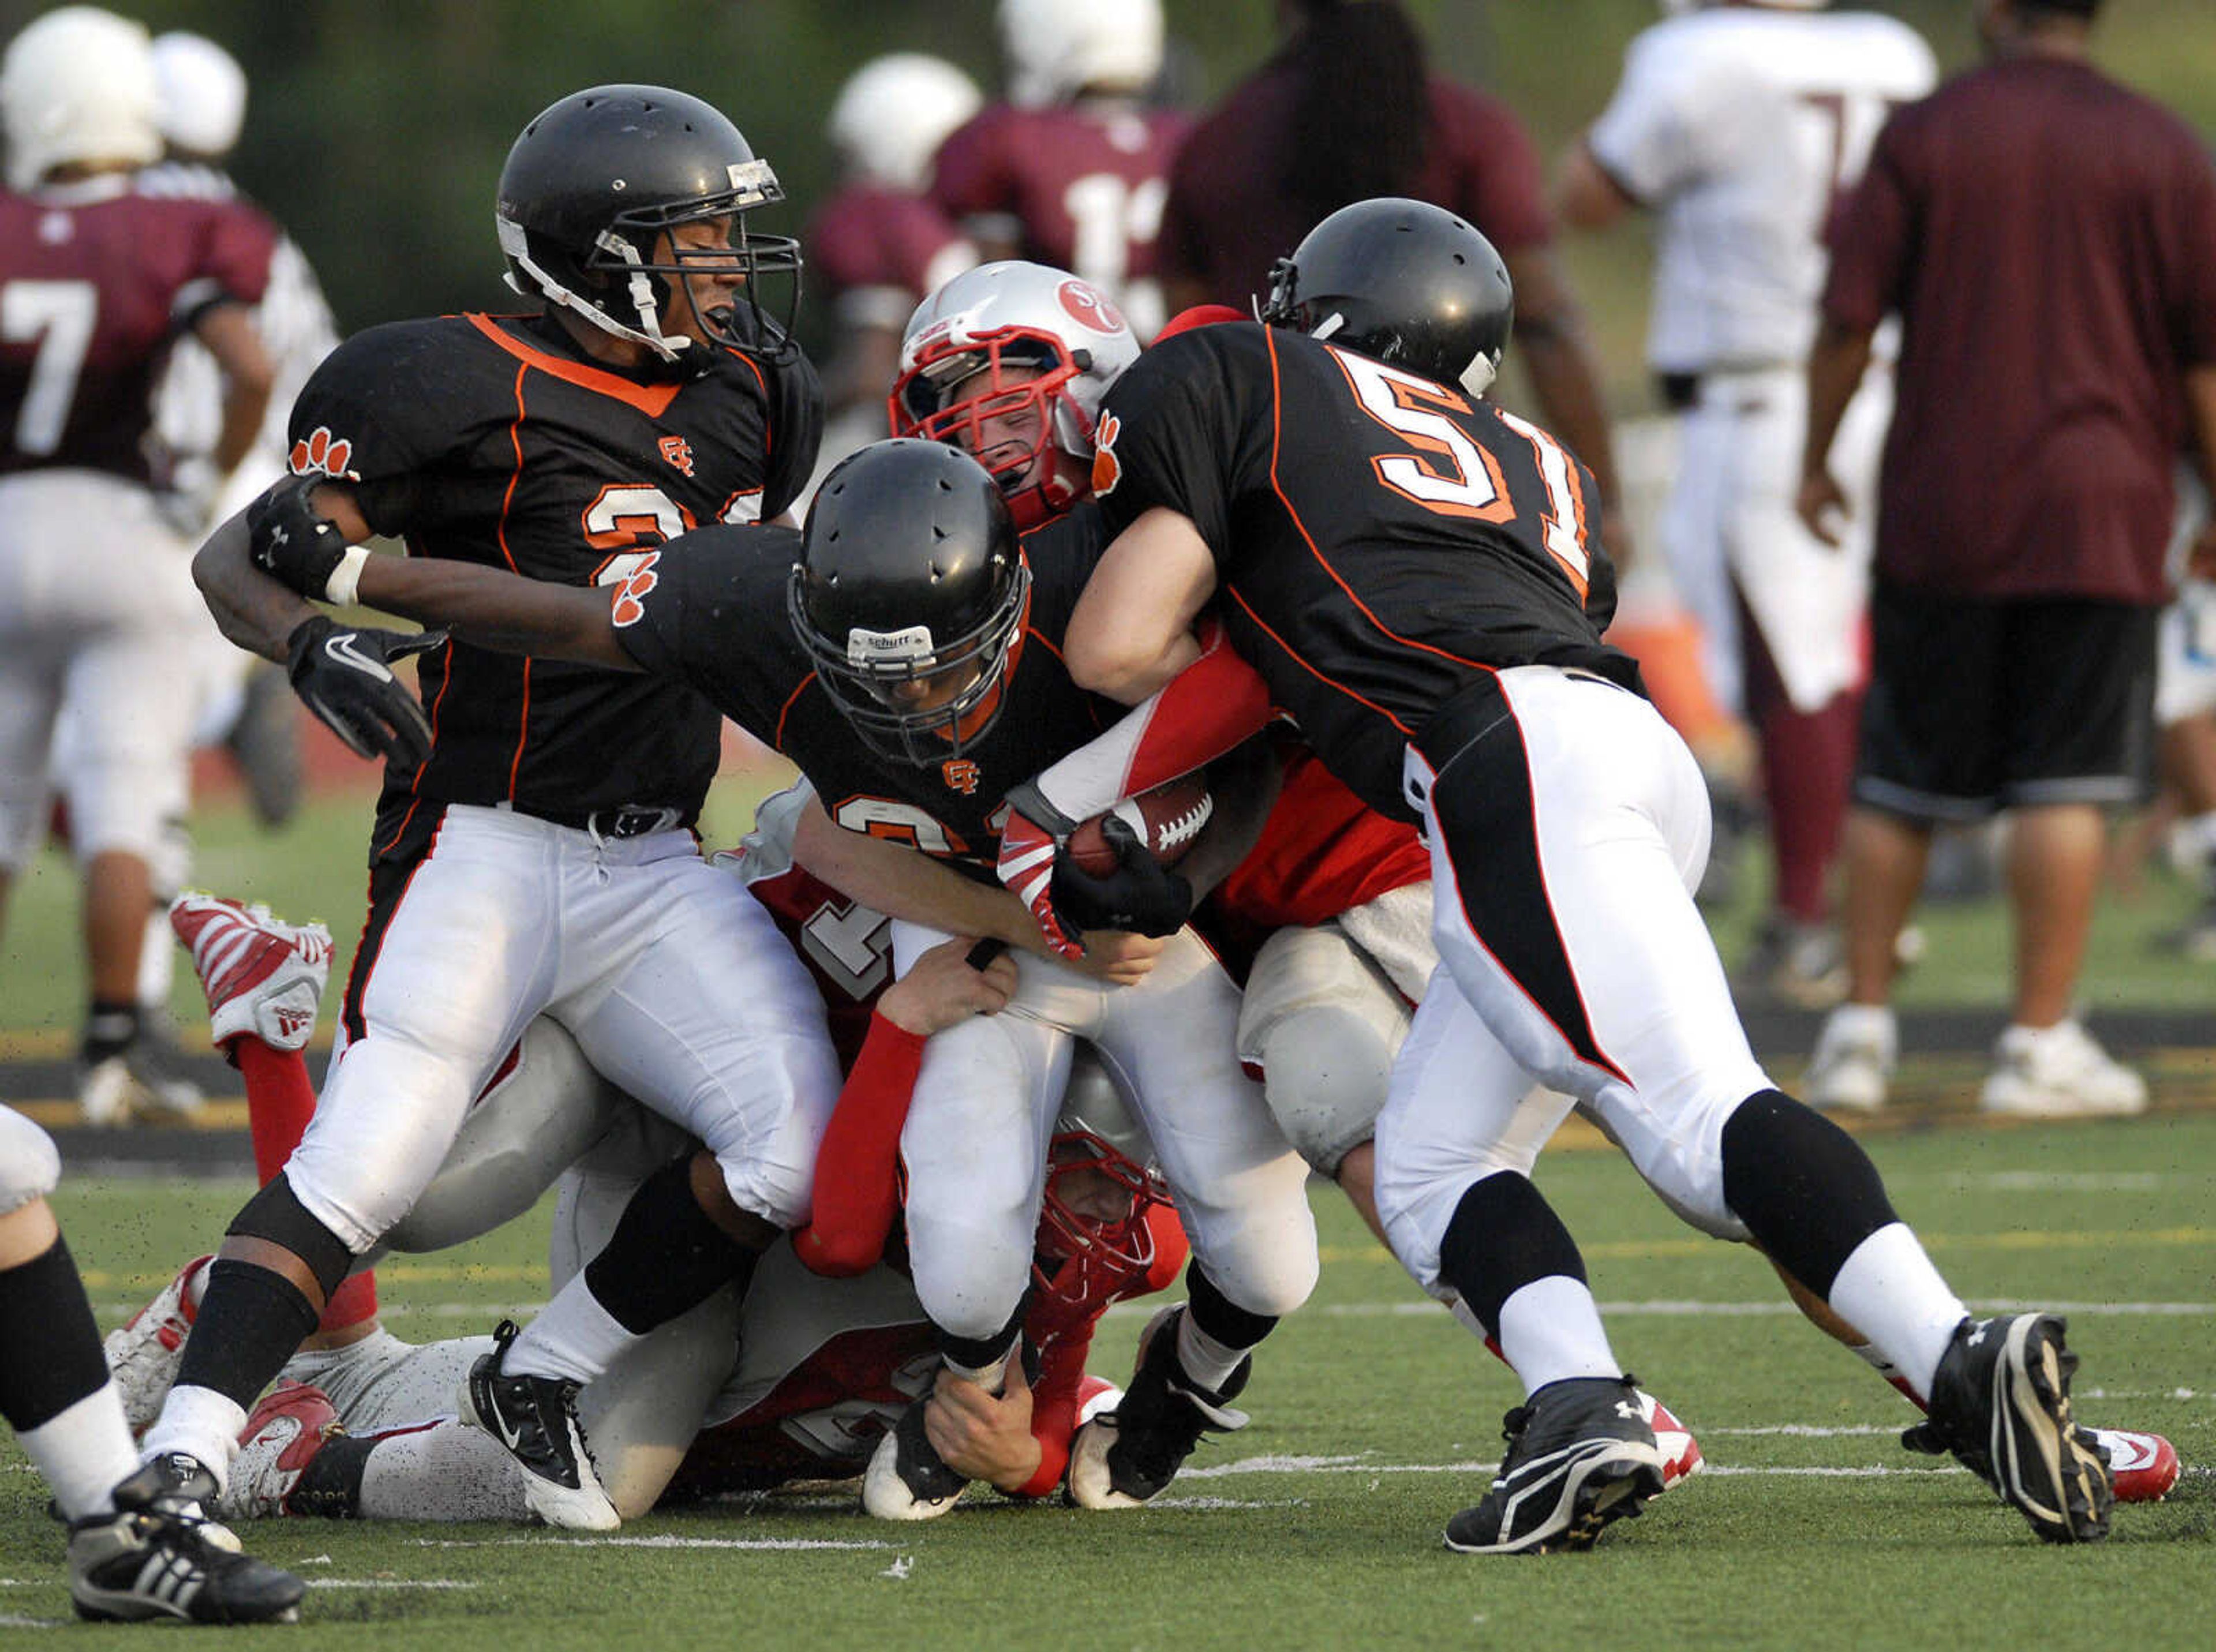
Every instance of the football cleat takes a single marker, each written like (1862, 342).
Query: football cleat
(144, 1078)
(1094, 1395)
(145, 1352)
(1855, 1055)
(906, 1479)
(281, 1438)
(1580, 1455)
(2059, 1073)
(2142, 1467)
(1680, 1453)
(1124, 1458)
(2000, 1401)
(156, 1557)
(263, 977)
(536, 1419)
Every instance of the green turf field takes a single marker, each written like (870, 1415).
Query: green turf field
(1374, 1416)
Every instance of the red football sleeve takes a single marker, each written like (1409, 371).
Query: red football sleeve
(857, 1167)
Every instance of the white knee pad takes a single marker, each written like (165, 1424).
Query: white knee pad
(30, 1164)
(1323, 1022)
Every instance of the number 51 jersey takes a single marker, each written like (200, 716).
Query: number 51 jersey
(1381, 539)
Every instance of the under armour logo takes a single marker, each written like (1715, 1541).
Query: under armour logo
(1625, 1409)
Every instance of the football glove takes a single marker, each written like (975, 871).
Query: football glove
(345, 676)
(299, 549)
(1142, 896)
(1031, 843)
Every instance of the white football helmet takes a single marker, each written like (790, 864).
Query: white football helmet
(203, 94)
(894, 111)
(77, 84)
(1065, 331)
(1055, 49)
(1101, 1179)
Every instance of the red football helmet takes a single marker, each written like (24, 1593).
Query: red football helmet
(1101, 1181)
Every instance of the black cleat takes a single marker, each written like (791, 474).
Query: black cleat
(156, 1557)
(2000, 1402)
(1124, 1458)
(1580, 1454)
(907, 1480)
(536, 1418)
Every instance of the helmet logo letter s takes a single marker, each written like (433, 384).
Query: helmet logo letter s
(1107, 468)
(1089, 307)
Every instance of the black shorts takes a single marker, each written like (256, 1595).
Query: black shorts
(1981, 705)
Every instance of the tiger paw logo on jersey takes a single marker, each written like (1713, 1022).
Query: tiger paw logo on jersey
(321, 451)
(628, 606)
(961, 775)
(678, 452)
(1107, 468)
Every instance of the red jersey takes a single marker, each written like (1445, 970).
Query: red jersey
(96, 282)
(874, 252)
(2039, 414)
(1322, 850)
(1079, 185)
(1227, 219)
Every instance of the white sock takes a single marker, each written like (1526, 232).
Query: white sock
(447, 1472)
(83, 1450)
(201, 1423)
(1207, 1361)
(1551, 1329)
(1890, 1292)
(573, 1336)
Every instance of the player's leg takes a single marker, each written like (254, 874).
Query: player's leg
(451, 968)
(132, 1554)
(1171, 1045)
(1582, 950)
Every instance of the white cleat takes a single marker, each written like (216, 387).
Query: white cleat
(263, 977)
(2059, 1073)
(146, 1352)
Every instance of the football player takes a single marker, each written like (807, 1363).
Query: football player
(1412, 574)
(532, 852)
(1073, 169)
(1739, 126)
(101, 272)
(919, 676)
(134, 1552)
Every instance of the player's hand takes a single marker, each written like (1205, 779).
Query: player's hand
(1141, 896)
(293, 542)
(344, 675)
(1031, 843)
(943, 990)
(1823, 507)
(1119, 958)
(983, 1435)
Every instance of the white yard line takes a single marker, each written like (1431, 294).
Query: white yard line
(648, 1543)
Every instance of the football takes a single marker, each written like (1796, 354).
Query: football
(1166, 820)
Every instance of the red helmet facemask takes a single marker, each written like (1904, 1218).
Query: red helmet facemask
(1085, 1242)
(1041, 478)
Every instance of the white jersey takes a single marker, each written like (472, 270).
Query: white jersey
(1740, 127)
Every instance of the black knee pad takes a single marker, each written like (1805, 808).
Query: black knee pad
(1503, 1236)
(667, 1256)
(1219, 1316)
(50, 1356)
(1805, 1191)
(277, 1215)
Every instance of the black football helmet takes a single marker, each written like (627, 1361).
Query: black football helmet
(1403, 282)
(910, 596)
(593, 182)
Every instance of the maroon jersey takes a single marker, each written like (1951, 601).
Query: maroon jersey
(1079, 186)
(96, 282)
(1229, 217)
(2039, 415)
(874, 252)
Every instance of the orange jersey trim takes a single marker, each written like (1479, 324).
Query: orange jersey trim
(652, 400)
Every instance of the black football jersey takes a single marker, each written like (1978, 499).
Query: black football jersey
(714, 617)
(1381, 539)
(492, 439)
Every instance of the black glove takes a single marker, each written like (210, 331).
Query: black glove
(1141, 895)
(291, 542)
(346, 676)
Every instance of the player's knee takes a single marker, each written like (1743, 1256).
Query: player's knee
(30, 1164)
(1326, 1070)
(277, 1216)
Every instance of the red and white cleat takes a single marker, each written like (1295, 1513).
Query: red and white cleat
(281, 1438)
(145, 1354)
(2143, 1466)
(1680, 1453)
(264, 977)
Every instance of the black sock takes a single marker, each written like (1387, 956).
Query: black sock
(109, 1029)
(975, 1352)
(1503, 1236)
(50, 1356)
(1805, 1191)
(1218, 1316)
(330, 1487)
(666, 1255)
(249, 1323)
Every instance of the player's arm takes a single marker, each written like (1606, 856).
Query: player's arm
(1586, 194)
(1131, 631)
(1836, 365)
(228, 333)
(2200, 401)
(1557, 353)
(251, 609)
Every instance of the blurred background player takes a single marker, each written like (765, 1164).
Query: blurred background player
(879, 244)
(2185, 711)
(1072, 169)
(1326, 122)
(1739, 125)
(133, 1552)
(100, 273)
(2013, 627)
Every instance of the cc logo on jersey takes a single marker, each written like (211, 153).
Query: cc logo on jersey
(1107, 468)
(961, 775)
(678, 451)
